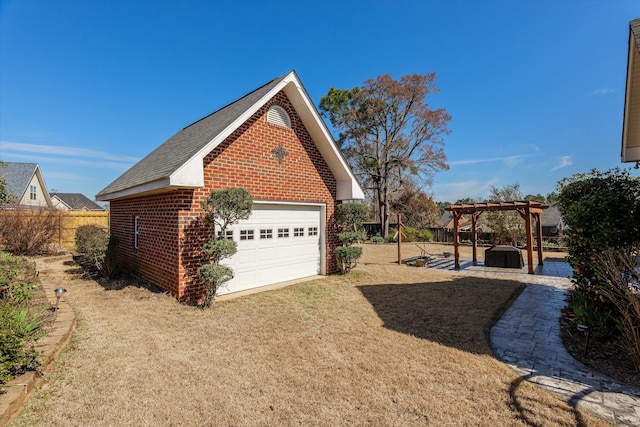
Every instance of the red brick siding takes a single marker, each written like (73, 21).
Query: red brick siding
(175, 234)
(158, 245)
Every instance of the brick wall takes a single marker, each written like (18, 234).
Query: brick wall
(172, 232)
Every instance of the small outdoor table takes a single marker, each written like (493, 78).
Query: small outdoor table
(503, 256)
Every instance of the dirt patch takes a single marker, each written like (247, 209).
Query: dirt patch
(385, 345)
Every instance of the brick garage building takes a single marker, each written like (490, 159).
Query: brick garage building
(272, 142)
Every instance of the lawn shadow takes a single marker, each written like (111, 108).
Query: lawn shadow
(458, 313)
(86, 270)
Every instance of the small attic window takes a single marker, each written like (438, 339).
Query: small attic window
(278, 116)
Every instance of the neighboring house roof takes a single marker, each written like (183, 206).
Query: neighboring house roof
(446, 221)
(76, 202)
(177, 163)
(631, 124)
(18, 177)
(551, 216)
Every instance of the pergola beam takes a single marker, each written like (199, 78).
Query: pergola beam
(527, 209)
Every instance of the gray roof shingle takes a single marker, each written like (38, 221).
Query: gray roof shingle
(17, 176)
(173, 153)
(77, 201)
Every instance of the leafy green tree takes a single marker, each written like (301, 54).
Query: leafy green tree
(442, 207)
(223, 208)
(536, 198)
(388, 132)
(465, 201)
(552, 197)
(417, 208)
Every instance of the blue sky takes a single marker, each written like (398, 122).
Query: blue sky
(535, 88)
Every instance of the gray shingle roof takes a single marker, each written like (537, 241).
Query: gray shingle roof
(173, 153)
(551, 216)
(635, 29)
(17, 176)
(77, 201)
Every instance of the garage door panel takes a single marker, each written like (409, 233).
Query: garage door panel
(264, 261)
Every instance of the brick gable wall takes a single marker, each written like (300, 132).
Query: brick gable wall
(172, 230)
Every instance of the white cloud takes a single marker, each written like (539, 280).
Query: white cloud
(62, 152)
(606, 91)
(509, 161)
(563, 161)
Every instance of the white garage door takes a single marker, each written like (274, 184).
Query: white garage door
(277, 243)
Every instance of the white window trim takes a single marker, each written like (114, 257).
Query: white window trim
(136, 231)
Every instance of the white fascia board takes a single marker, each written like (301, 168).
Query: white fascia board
(158, 186)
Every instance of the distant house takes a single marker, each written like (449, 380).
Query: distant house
(25, 183)
(446, 221)
(552, 223)
(631, 123)
(74, 202)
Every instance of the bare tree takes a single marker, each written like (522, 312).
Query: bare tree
(388, 132)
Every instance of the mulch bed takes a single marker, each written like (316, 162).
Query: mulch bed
(605, 354)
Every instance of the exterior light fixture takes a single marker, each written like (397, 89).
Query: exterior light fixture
(585, 328)
(59, 292)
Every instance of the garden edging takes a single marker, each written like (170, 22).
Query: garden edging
(17, 391)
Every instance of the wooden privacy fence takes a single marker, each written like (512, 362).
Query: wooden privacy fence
(69, 221)
(66, 223)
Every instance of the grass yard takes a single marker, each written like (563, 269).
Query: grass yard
(387, 345)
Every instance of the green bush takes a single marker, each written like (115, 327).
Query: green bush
(214, 276)
(417, 235)
(222, 207)
(377, 239)
(91, 239)
(602, 212)
(351, 215)
(18, 331)
(351, 237)
(348, 257)
(220, 248)
(110, 265)
(95, 243)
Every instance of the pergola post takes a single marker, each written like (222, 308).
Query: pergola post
(527, 220)
(536, 216)
(474, 236)
(456, 239)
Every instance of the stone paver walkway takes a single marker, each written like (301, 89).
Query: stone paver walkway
(527, 338)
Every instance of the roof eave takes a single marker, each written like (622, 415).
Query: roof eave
(630, 147)
(155, 187)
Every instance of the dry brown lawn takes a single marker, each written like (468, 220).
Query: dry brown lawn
(386, 345)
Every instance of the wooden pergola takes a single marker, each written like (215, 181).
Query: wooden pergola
(527, 210)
